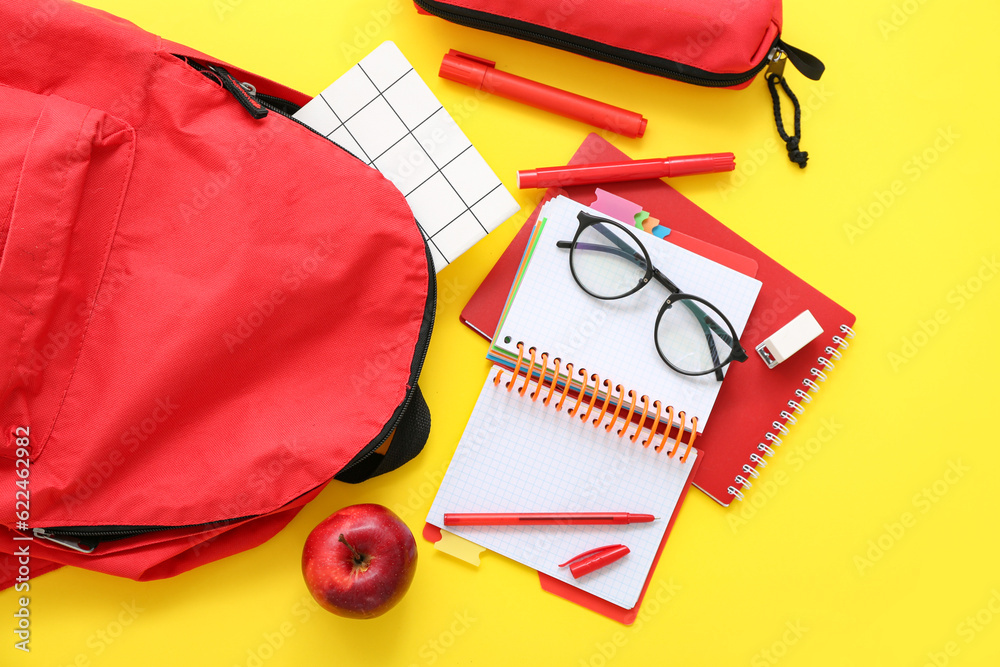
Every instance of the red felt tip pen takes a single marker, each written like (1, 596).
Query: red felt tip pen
(635, 170)
(483, 74)
(546, 519)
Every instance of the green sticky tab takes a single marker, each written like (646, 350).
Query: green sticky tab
(640, 217)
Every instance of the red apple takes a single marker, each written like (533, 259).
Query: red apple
(359, 561)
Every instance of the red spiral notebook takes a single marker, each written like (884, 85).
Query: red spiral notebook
(756, 405)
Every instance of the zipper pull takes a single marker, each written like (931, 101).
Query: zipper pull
(776, 63)
(243, 94)
(811, 67)
(775, 77)
(67, 542)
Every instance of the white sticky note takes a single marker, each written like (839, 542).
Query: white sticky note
(382, 112)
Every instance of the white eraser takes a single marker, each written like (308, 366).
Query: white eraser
(789, 339)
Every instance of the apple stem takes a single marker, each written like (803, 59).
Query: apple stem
(358, 559)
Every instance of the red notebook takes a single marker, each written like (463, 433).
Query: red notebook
(756, 404)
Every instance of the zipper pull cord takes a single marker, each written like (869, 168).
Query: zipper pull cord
(791, 142)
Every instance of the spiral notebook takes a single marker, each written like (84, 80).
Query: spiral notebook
(519, 453)
(580, 414)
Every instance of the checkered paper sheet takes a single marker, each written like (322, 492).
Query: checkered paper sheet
(520, 455)
(384, 113)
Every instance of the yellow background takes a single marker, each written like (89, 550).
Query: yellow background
(817, 567)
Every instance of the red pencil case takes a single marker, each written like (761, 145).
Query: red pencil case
(714, 43)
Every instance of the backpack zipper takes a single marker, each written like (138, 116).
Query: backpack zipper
(86, 539)
(268, 102)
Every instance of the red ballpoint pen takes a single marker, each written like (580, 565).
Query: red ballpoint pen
(546, 519)
(633, 170)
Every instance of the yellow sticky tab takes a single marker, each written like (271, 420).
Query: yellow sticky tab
(459, 547)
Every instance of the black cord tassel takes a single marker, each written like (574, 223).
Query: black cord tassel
(791, 142)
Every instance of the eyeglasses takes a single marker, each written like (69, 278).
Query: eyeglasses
(609, 262)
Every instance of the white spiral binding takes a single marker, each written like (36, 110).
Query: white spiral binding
(785, 417)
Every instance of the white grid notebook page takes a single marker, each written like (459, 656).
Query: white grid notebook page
(384, 113)
(615, 339)
(519, 455)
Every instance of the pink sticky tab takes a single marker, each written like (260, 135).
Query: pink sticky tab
(616, 207)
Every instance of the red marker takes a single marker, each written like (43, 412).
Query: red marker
(546, 519)
(634, 170)
(483, 74)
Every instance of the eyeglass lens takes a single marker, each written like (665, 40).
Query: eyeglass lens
(693, 336)
(607, 262)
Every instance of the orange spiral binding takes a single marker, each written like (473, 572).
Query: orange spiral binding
(628, 418)
(606, 403)
(541, 380)
(517, 366)
(593, 395)
(552, 385)
(549, 378)
(569, 381)
(666, 430)
(531, 371)
(769, 440)
(656, 420)
(618, 408)
(642, 419)
(694, 434)
(680, 434)
(583, 390)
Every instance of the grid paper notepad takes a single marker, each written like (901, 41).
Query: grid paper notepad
(519, 455)
(384, 113)
(615, 339)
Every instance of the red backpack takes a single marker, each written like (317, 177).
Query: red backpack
(207, 310)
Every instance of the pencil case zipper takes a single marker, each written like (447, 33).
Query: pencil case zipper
(616, 56)
(778, 53)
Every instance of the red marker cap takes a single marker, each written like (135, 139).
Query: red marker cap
(483, 74)
(595, 559)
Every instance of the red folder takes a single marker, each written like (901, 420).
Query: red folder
(756, 404)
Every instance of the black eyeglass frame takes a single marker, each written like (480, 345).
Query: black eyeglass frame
(737, 353)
